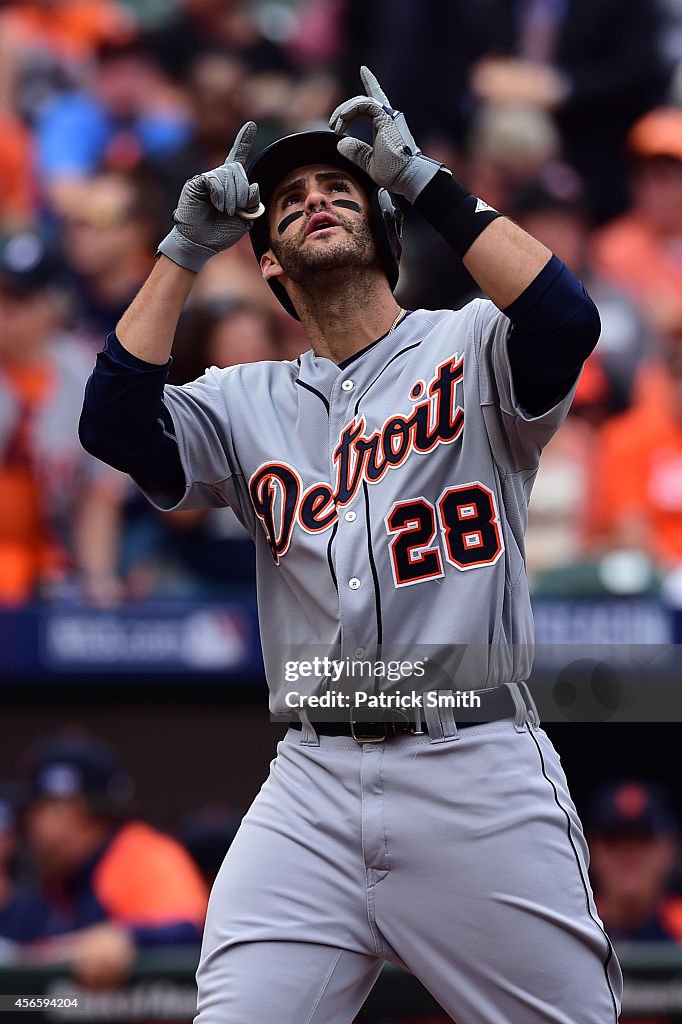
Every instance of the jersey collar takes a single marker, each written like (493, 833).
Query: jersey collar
(321, 373)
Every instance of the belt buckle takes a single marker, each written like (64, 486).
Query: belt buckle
(391, 727)
(359, 738)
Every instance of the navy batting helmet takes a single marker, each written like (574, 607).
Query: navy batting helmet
(319, 147)
(74, 764)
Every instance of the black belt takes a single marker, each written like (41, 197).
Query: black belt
(496, 705)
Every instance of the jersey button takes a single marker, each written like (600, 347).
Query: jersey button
(359, 653)
(354, 583)
(350, 517)
(347, 385)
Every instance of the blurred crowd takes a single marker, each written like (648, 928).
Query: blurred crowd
(565, 114)
(86, 880)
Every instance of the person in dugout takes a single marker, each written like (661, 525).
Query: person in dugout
(105, 884)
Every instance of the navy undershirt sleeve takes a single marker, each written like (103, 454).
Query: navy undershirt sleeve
(125, 423)
(555, 324)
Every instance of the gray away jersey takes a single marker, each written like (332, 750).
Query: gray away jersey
(387, 500)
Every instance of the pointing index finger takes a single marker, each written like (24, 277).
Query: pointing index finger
(242, 144)
(372, 87)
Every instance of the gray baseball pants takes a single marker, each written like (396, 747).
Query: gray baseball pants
(459, 857)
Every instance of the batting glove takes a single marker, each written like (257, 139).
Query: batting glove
(210, 216)
(394, 161)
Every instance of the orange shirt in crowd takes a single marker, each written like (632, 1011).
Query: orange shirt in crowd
(26, 548)
(70, 29)
(17, 192)
(147, 878)
(635, 257)
(637, 477)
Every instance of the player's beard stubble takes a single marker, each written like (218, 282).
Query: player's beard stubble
(310, 263)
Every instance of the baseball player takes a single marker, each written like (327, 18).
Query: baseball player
(385, 477)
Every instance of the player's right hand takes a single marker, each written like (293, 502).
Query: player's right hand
(207, 219)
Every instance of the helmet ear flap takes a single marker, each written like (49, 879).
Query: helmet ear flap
(260, 239)
(386, 220)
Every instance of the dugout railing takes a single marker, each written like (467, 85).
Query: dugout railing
(161, 989)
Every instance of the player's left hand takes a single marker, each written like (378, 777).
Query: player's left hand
(394, 161)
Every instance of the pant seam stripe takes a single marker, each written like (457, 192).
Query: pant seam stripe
(323, 987)
(609, 947)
